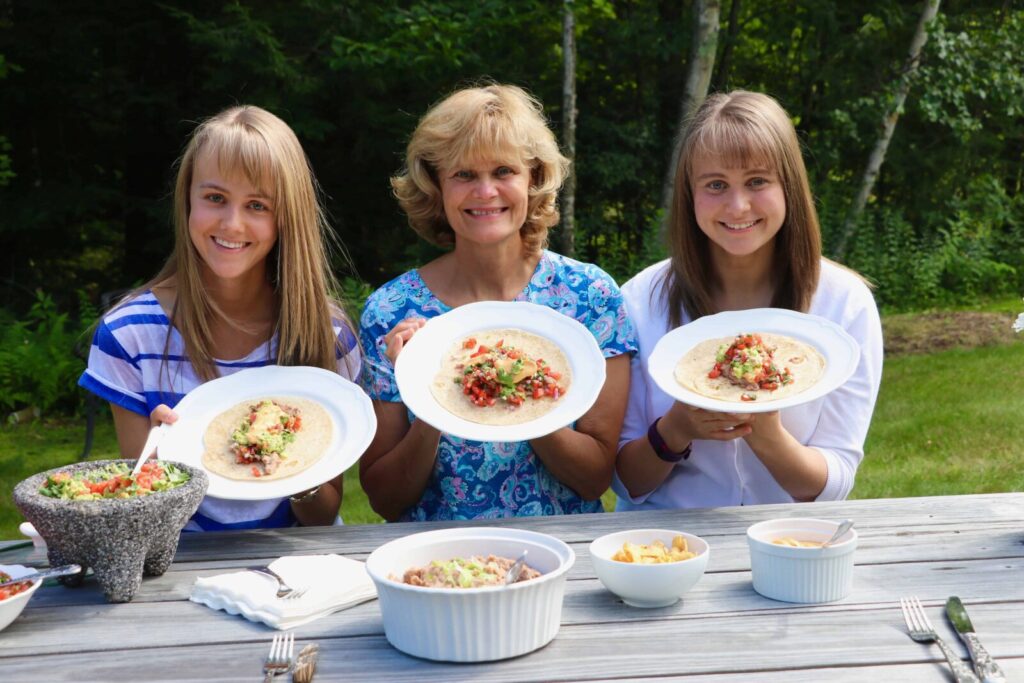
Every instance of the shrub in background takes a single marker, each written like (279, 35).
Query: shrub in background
(39, 366)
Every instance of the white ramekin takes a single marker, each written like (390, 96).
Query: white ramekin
(805, 575)
(478, 624)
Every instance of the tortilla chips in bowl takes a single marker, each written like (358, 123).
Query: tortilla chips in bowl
(470, 624)
(649, 567)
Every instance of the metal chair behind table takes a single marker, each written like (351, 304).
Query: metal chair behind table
(92, 401)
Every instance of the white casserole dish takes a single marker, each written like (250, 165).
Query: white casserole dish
(470, 624)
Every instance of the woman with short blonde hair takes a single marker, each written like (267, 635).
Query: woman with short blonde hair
(481, 178)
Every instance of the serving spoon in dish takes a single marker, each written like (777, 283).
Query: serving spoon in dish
(844, 526)
(516, 569)
(152, 441)
(64, 570)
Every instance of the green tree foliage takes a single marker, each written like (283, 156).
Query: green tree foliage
(92, 124)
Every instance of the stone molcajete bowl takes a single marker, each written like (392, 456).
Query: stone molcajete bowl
(119, 538)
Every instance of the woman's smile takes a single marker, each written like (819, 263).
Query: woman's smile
(232, 246)
(740, 227)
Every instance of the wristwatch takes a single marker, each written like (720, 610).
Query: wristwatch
(661, 448)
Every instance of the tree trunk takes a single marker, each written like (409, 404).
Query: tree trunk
(721, 79)
(877, 158)
(567, 231)
(698, 78)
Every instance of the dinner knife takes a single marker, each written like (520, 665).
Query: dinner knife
(986, 668)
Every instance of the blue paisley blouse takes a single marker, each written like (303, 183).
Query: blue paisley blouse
(473, 479)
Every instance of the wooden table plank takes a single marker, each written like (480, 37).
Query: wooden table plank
(896, 516)
(761, 647)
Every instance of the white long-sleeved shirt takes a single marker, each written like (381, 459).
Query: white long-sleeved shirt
(721, 473)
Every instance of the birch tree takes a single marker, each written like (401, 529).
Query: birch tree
(928, 12)
(567, 230)
(698, 79)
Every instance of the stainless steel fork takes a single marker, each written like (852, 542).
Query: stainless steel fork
(921, 630)
(279, 660)
(283, 589)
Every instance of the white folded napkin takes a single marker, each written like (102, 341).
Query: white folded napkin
(332, 582)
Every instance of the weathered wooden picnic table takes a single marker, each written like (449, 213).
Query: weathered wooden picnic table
(932, 547)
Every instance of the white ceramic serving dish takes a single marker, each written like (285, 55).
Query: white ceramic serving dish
(648, 585)
(470, 624)
(12, 607)
(804, 575)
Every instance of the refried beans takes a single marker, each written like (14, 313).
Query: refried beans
(472, 572)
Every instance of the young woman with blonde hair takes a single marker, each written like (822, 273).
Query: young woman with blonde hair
(744, 234)
(246, 286)
(481, 178)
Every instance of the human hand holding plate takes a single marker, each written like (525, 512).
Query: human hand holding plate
(784, 331)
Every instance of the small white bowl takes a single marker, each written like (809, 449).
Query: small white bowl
(804, 575)
(471, 624)
(12, 606)
(648, 585)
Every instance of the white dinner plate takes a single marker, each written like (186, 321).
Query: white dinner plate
(420, 361)
(354, 425)
(841, 352)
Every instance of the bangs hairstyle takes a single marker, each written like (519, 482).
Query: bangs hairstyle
(490, 123)
(254, 142)
(745, 130)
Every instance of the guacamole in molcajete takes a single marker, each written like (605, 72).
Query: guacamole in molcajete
(114, 481)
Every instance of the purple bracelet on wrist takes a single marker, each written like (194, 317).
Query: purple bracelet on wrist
(661, 448)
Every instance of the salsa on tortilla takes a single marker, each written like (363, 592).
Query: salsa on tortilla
(505, 376)
(750, 367)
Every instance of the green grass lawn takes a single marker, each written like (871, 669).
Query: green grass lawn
(946, 423)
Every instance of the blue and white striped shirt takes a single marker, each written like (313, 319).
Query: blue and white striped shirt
(127, 368)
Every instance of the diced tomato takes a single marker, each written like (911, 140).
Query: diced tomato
(715, 372)
(499, 344)
(256, 472)
(538, 392)
(513, 354)
(554, 375)
(469, 343)
(481, 351)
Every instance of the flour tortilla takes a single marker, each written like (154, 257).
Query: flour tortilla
(311, 441)
(804, 361)
(450, 396)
